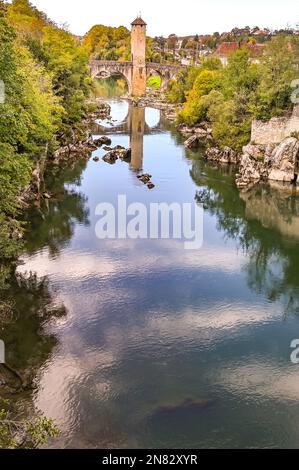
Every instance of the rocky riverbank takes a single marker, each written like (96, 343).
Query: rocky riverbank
(261, 163)
(256, 163)
(76, 143)
(79, 141)
(269, 163)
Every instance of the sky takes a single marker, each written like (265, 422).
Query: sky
(164, 17)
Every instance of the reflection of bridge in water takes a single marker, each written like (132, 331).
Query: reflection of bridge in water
(126, 125)
(136, 127)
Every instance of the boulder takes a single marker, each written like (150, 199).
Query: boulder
(283, 161)
(124, 154)
(118, 147)
(146, 178)
(192, 142)
(255, 151)
(201, 133)
(110, 157)
(61, 153)
(249, 171)
(225, 155)
(281, 175)
(102, 141)
(186, 130)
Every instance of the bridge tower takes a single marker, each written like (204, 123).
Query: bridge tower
(138, 49)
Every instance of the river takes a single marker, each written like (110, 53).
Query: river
(153, 345)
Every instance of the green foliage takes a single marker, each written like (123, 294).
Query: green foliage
(14, 174)
(230, 119)
(195, 109)
(107, 43)
(14, 126)
(230, 113)
(25, 434)
(45, 72)
(154, 82)
(232, 96)
(279, 66)
(67, 61)
(60, 54)
(179, 88)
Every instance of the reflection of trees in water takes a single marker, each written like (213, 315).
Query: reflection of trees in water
(52, 224)
(28, 345)
(111, 87)
(28, 303)
(260, 221)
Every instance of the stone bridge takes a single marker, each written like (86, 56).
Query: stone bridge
(109, 68)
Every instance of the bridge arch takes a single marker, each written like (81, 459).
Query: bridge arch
(106, 69)
(166, 72)
(109, 68)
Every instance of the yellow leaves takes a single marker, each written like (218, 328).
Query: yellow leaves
(42, 106)
(25, 19)
(101, 40)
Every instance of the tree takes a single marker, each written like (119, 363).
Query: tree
(161, 43)
(105, 42)
(23, 434)
(172, 43)
(279, 67)
(195, 109)
(45, 73)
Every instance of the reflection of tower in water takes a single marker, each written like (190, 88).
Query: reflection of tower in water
(137, 127)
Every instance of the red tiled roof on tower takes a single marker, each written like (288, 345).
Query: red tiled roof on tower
(138, 22)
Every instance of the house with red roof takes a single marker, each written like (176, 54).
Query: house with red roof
(226, 48)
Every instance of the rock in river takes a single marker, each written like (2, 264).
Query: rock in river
(124, 154)
(146, 178)
(110, 157)
(102, 141)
